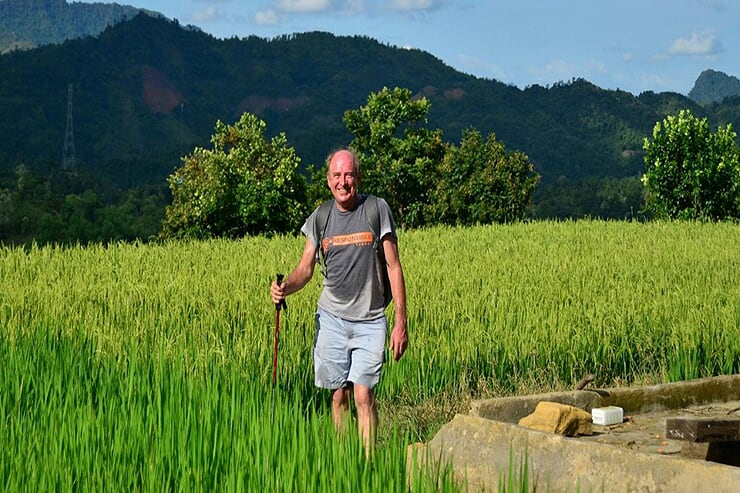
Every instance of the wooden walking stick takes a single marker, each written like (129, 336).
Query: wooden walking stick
(278, 306)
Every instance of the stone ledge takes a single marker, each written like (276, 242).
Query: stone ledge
(480, 450)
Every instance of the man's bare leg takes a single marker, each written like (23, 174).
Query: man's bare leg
(340, 409)
(367, 417)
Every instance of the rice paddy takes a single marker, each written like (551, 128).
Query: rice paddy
(148, 367)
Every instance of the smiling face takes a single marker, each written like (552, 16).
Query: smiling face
(342, 176)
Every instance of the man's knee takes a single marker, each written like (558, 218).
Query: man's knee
(341, 397)
(364, 397)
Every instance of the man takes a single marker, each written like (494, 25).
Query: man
(351, 325)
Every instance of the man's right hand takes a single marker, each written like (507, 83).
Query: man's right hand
(277, 292)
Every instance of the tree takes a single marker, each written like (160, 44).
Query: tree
(481, 183)
(692, 173)
(398, 156)
(246, 185)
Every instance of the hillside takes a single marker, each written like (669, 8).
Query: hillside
(26, 24)
(148, 90)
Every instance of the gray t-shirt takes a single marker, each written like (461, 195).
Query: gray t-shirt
(353, 287)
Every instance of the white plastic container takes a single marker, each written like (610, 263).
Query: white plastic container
(609, 415)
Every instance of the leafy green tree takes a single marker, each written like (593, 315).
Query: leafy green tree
(317, 189)
(398, 155)
(481, 183)
(692, 172)
(80, 214)
(245, 185)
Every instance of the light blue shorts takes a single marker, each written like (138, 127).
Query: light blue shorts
(345, 351)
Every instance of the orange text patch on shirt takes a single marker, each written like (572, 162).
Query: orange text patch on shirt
(358, 239)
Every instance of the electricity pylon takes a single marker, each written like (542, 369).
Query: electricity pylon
(69, 161)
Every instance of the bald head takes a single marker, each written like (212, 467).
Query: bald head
(343, 155)
(343, 177)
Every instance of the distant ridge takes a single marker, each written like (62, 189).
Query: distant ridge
(713, 87)
(26, 24)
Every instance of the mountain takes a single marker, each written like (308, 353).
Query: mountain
(25, 24)
(148, 90)
(713, 87)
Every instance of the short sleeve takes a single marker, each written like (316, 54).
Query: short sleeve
(310, 228)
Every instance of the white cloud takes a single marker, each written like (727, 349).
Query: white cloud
(654, 82)
(556, 70)
(660, 57)
(700, 43)
(718, 5)
(476, 65)
(208, 14)
(411, 4)
(596, 67)
(279, 11)
(415, 5)
(562, 71)
(266, 18)
(302, 6)
(354, 6)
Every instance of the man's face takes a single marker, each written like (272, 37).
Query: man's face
(342, 180)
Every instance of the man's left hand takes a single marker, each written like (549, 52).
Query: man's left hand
(399, 341)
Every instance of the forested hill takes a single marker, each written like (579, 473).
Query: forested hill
(26, 24)
(146, 91)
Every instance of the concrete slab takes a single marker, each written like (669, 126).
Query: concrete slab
(487, 445)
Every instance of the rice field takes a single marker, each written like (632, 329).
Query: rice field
(148, 367)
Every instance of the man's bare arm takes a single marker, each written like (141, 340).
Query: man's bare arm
(299, 277)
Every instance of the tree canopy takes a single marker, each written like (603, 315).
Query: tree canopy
(692, 172)
(245, 185)
(427, 181)
(249, 185)
(479, 182)
(398, 154)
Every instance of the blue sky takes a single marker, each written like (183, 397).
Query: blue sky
(633, 45)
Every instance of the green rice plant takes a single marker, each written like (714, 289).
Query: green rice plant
(149, 367)
(557, 300)
(517, 478)
(72, 420)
